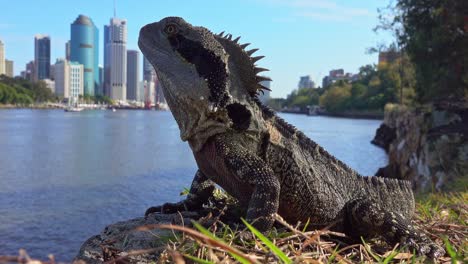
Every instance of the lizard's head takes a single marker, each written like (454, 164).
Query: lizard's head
(207, 87)
(188, 60)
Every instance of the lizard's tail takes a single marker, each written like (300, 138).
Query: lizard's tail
(392, 193)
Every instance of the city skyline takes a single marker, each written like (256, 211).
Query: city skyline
(297, 37)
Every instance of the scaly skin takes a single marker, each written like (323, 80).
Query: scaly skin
(210, 83)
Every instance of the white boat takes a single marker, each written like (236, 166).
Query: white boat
(73, 105)
(73, 109)
(113, 109)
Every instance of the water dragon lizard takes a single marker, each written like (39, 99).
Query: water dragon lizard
(211, 82)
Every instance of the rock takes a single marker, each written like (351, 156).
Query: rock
(429, 145)
(121, 239)
(384, 136)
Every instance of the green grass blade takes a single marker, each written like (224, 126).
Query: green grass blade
(205, 231)
(452, 253)
(209, 234)
(333, 255)
(268, 243)
(185, 191)
(369, 250)
(306, 225)
(390, 257)
(198, 260)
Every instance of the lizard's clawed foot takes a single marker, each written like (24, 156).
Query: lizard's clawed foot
(167, 208)
(428, 249)
(435, 251)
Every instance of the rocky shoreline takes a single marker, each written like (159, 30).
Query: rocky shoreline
(123, 241)
(427, 145)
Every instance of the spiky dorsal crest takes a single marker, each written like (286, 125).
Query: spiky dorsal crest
(248, 71)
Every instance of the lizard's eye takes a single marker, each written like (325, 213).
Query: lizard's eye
(171, 29)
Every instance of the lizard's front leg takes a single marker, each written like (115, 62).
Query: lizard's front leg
(247, 168)
(201, 189)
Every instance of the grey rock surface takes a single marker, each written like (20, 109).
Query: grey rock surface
(122, 240)
(430, 147)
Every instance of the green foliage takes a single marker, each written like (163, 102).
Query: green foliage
(22, 92)
(41, 93)
(434, 35)
(336, 98)
(302, 98)
(391, 83)
(377, 87)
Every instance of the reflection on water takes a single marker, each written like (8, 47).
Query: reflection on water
(65, 176)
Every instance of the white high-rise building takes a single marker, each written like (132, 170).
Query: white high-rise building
(115, 59)
(69, 81)
(76, 79)
(62, 78)
(2, 58)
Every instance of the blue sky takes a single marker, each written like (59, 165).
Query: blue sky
(298, 37)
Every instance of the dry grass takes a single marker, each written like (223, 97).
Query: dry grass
(443, 217)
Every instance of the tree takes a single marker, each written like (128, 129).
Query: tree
(42, 93)
(21, 91)
(337, 98)
(434, 34)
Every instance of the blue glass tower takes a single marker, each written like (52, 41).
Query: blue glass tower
(42, 57)
(85, 50)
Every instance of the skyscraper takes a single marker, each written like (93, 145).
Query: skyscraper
(133, 72)
(149, 73)
(101, 80)
(28, 73)
(52, 71)
(115, 59)
(41, 57)
(9, 68)
(2, 58)
(67, 50)
(84, 49)
(305, 82)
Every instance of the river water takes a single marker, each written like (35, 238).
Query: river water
(65, 176)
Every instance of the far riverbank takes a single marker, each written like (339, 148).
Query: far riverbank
(51, 106)
(31, 106)
(376, 115)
